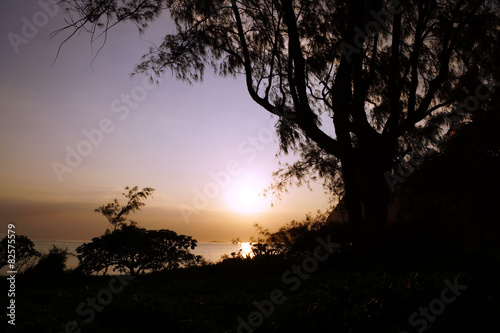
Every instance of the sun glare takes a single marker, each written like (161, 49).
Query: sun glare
(244, 196)
(246, 249)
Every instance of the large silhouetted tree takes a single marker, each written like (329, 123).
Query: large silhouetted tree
(386, 72)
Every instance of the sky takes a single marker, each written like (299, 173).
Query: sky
(76, 129)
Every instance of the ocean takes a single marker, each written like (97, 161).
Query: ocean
(212, 252)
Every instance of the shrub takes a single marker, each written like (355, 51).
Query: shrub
(51, 264)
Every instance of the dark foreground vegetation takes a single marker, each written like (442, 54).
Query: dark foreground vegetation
(345, 293)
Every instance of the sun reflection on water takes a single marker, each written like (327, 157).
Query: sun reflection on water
(246, 249)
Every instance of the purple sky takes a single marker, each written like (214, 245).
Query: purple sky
(74, 134)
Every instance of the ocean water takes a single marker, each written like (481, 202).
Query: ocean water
(212, 252)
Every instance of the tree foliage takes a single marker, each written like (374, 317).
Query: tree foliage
(116, 214)
(135, 250)
(51, 264)
(314, 166)
(296, 240)
(25, 253)
(384, 72)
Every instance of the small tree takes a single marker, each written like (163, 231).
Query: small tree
(26, 255)
(53, 263)
(116, 214)
(135, 250)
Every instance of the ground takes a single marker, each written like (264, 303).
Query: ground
(343, 294)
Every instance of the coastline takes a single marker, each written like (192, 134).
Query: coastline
(211, 251)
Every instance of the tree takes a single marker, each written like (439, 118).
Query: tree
(116, 214)
(52, 264)
(387, 73)
(25, 254)
(135, 250)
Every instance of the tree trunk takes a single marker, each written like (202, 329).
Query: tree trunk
(376, 160)
(376, 200)
(366, 193)
(352, 194)
(367, 198)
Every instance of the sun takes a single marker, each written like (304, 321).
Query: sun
(247, 198)
(244, 195)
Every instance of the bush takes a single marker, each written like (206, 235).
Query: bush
(295, 240)
(52, 264)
